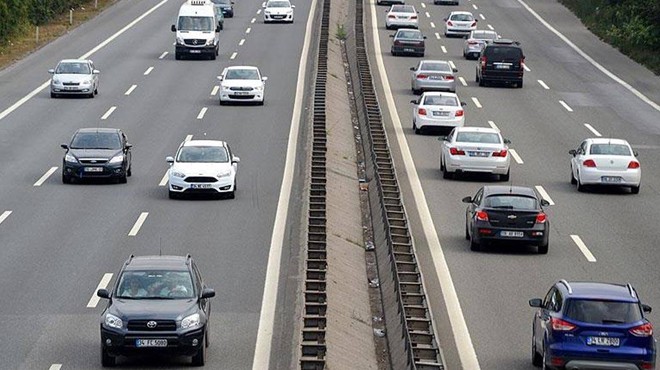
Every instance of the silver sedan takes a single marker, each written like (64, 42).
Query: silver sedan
(475, 149)
(432, 75)
(476, 42)
(74, 77)
(601, 161)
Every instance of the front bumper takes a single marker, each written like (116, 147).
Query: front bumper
(72, 90)
(100, 171)
(223, 185)
(189, 50)
(594, 176)
(242, 96)
(124, 343)
(278, 17)
(464, 163)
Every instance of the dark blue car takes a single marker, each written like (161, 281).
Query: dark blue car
(587, 325)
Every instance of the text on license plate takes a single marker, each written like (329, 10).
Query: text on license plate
(242, 93)
(200, 186)
(512, 234)
(610, 179)
(440, 114)
(93, 169)
(478, 154)
(409, 50)
(502, 66)
(70, 88)
(151, 342)
(603, 341)
(193, 51)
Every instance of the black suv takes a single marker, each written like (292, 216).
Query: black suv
(501, 61)
(159, 305)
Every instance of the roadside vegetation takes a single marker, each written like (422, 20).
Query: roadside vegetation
(632, 26)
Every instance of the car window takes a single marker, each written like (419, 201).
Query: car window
(440, 67)
(484, 35)
(503, 52)
(155, 284)
(603, 312)
(478, 137)
(203, 154)
(609, 149)
(278, 4)
(409, 35)
(548, 298)
(462, 17)
(96, 140)
(242, 74)
(441, 100)
(73, 68)
(402, 9)
(478, 196)
(191, 23)
(507, 201)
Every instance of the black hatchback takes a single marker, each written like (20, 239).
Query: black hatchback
(501, 61)
(97, 153)
(506, 213)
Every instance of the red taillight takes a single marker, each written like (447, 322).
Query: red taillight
(413, 17)
(540, 218)
(589, 163)
(449, 78)
(473, 42)
(556, 361)
(633, 164)
(422, 77)
(644, 330)
(561, 325)
(501, 153)
(449, 23)
(483, 62)
(421, 111)
(391, 16)
(459, 113)
(481, 216)
(648, 365)
(454, 151)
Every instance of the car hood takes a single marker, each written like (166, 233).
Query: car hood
(196, 34)
(242, 83)
(70, 77)
(279, 10)
(201, 169)
(152, 309)
(94, 153)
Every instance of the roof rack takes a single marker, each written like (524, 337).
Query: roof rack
(631, 290)
(563, 281)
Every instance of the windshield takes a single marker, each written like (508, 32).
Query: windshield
(155, 284)
(511, 202)
(188, 23)
(609, 149)
(96, 140)
(441, 100)
(278, 4)
(204, 154)
(603, 312)
(440, 67)
(478, 137)
(73, 68)
(242, 74)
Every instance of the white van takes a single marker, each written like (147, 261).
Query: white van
(197, 30)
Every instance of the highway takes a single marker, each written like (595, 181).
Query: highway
(602, 235)
(61, 242)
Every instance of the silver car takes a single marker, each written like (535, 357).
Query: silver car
(475, 149)
(476, 42)
(460, 23)
(602, 161)
(74, 77)
(402, 16)
(432, 75)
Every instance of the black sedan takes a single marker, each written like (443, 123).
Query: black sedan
(506, 213)
(227, 7)
(408, 41)
(97, 153)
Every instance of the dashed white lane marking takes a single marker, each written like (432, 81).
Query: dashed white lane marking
(248, 30)
(163, 55)
(563, 103)
(474, 6)
(45, 176)
(108, 112)
(253, 20)
(188, 138)
(463, 82)
(482, 17)
(202, 113)
(515, 156)
(241, 42)
(491, 27)
(444, 49)
(138, 224)
(130, 90)
(259, 11)
(55, 367)
(437, 36)
(583, 248)
(233, 55)
(451, 63)
(493, 125)
(105, 280)
(526, 68)
(423, 5)
(544, 194)
(214, 92)
(592, 129)
(476, 102)
(428, 15)
(544, 85)
(432, 25)
(263, 4)
(146, 73)
(4, 216)
(165, 178)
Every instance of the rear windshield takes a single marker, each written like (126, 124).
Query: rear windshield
(610, 149)
(503, 52)
(484, 35)
(434, 66)
(441, 100)
(511, 202)
(478, 137)
(402, 9)
(462, 17)
(603, 312)
(415, 35)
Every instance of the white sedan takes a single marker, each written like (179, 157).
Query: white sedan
(203, 167)
(437, 109)
(242, 84)
(601, 161)
(402, 16)
(278, 11)
(460, 23)
(475, 149)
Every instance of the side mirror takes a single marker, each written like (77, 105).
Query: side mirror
(463, 104)
(442, 138)
(217, 29)
(414, 102)
(219, 78)
(293, 6)
(103, 293)
(413, 68)
(128, 146)
(544, 203)
(424, 37)
(467, 200)
(235, 159)
(264, 79)
(65, 146)
(646, 308)
(536, 302)
(507, 141)
(391, 35)
(173, 28)
(263, 6)
(454, 70)
(635, 154)
(169, 160)
(444, 19)
(572, 152)
(207, 293)
(51, 71)
(96, 71)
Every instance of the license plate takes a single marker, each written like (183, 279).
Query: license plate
(195, 51)
(410, 50)
(610, 179)
(242, 93)
(435, 77)
(93, 169)
(70, 88)
(440, 114)
(151, 342)
(478, 154)
(512, 234)
(603, 341)
(200, 186)
(502, 66)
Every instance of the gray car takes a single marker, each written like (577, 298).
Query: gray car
(432, 75)
(74, 77)
(476, 42)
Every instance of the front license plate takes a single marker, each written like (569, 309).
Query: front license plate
(512, 234)
(603, 341)
(151, 342)
(478, 154)
(610, 179)
(70, 88)
(200, 186)
(93, 169)
(242, 93)
(195, 51)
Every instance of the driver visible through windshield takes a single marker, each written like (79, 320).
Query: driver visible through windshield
(155, 285)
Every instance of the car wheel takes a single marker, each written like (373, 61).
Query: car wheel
(635, 189)
(580, 187)
(129, 172)
(446, 174)
(214, 55)
(53, 95)
(573, 180)
(481, 82)
(260, 103)
(474, 245)
(416, 129)
(173, 194)
(199, 359)
(177, 56)
(66, 179)
(520, 84)
(467, 232)
(106, 359)
(222, 102)
(91, 95)
(476, 76)
(123, 179)
(96, 90)
(221, 26)
(506, 176)
(543, 249)
(537, 359)
(232, 194)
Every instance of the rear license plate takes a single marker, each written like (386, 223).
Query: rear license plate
(435, 77)
(440, 114)
(93, 169)
(200, 186)
(478, 154)
(603, 341)
(610, 179)
(512, 234)
(195, 51)
(502, 66)
(409, 50)
(151, 342)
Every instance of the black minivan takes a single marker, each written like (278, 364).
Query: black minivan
(501, 61)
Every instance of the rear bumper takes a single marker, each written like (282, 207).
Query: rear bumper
(408, 50)
(434, 85)
(424, 121)
(494, 165)
(487, 233)
(594, 176)
(401, 23)
(512, 76)
(601, 365)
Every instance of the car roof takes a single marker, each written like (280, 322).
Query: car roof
(602, 140)
(459, 12)
(439, 93)
(477, 129)
(434, 61)
(505, 189)
(599, 290)
(98, 129)
(204, 143)
(243, 67)
(157, 263)
(75, 61)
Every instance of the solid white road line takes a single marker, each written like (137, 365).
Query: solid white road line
(165, 178)
(214, 92)
(474, 6)
(248, 30)
(437, 36)
(4, 216)
(241, 42)
(544, 194)
(36, 91)
(515, 156)
(444, 49)
(105, 280)
(461, 335)
(476, 102)
(493, 125)
(609, 74)
(109, 112)
(482, 17)
(544, 85)
(463, 82)
(592, 129)
(130, 90)
(146, 73)
(45, 176)
(432, 25)
(138, 224)
(263, 344)
(253, 20)
(491, 27)
(451, 63)
(428, 15)
(526, 68)
(233, 55)
(163, 55)
(583, 248)
(202, 113)
(563, 103)
(188, 138)
(55, 367)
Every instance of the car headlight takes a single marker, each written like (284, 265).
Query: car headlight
(225, 87)
(259, 88)
(113, 321)
(117, 159)
(70, 158)
(266, 11)
(178, 174)
(290, 11)
(225, 173)
(56, 81)
(179, 40)
(86, 82)
(191, 321)
(210, 42)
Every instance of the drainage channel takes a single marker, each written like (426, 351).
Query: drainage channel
(410, 334)
(313, 345)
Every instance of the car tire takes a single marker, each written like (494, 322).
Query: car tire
(481, 82)
(106, 359)
(506, 176)
(66, 179)
(96, 91)
(172, 194)
(53, 95)
(580, 187)
(476, 77)
(199, 359)
(222, 102)
(573, 180)
(519, 84)
(232, 194)
(635, 189)
(123, 179)
(537, 359)
(214, 55)
(91, 95)
(129, 171)
(474, 246)
(221, 26)
(467, 232)
(543, 249)
(260, 103)
(416, 129)
(177, 56)
(446, 174)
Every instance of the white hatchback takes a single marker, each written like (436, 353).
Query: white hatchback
(475, 149)
(242, 84)
(460, 23)
(437, 109)
(602, 161)
(402, 16)
(203, 167)
(278, 11)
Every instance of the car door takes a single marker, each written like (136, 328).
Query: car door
(413, 73)
(576, 160)
(472, 207)
(551, 306)
(95, 77)
(205, 304)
